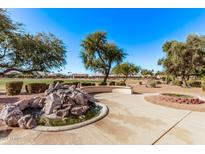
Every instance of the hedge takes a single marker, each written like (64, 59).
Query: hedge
(14, 87)
(36, 87)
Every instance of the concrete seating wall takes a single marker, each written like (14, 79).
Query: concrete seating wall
(108, 89)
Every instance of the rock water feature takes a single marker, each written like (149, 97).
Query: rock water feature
(61, 105)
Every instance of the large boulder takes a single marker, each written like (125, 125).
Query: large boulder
(79, 110)
(52, 103)
(27, 122)
(10, 114)
(63, 112)
(23, 104)
(38, 102)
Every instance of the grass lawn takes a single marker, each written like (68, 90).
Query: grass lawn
(50, 80)
(43, 80)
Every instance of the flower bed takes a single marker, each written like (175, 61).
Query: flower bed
(181, 99)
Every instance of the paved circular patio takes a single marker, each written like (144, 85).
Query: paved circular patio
(131, 120)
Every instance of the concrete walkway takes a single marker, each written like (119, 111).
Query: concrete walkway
(131, 120)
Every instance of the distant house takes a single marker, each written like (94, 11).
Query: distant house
(79, 75)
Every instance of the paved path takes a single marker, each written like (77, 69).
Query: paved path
(131, 120)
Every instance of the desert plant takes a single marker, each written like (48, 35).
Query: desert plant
(196, 84)
(102, 83)
(36, 87)
(121, 83)
(87, 84)
(14, 87)
(153, 84)
(112, 83)
(203, 84)
(177, 82)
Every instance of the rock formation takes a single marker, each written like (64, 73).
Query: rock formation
(60, 101)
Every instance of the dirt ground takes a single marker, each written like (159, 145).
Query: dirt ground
(168, 89)
(4, 99)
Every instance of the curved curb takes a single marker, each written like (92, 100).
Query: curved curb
(104, 112)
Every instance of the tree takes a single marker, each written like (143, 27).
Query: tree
(126, 69)
(41, 52)
(8, 32)
(26, 52)
(99, 55)
(146, 72)
(184, 58)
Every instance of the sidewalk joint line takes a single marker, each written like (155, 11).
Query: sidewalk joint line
(171, 128)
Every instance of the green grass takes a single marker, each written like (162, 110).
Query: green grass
(43, 80)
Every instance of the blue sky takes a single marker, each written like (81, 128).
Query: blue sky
(140, 32)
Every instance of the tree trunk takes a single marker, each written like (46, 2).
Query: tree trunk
(184, 81)
(105, 77)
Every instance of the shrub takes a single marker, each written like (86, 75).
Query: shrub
(56, 81)
(158, 82)
(168, 79)
(121, 83)
(177, 82)
(103, 84)
(153, 84)
(203, 84)
(87, 84)
(71, 83)
(112, 83)
(36, 87)
(14, 87)
(196, 84)
(140, 83)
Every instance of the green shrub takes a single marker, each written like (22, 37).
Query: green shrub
(153, 85)
(112, 83)
(168, 79)
(177, 82)
(36, 87)
(87, 84)
(102, 83)
(140, 83)
(71, 83)
(203, 84)
(158, 82)
(58, 81)
(196, 84)
(14, 87)
(121, 83)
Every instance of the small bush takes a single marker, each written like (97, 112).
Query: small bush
(87, 84)
(168, 79)
(36, 87)
(177, 83)
(58, 81)
(158, 82)
(140, 83)
(14, 87)
(71, 83)
(112, 83)
(196, 84)
(203, 84)
(103, 84)
(121, 83)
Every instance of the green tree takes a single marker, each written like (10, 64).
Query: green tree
(9, 31)
(146, 72)
(99, 55)
(41, 52)
(184, 58)
(26, 52)
(126, 69)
